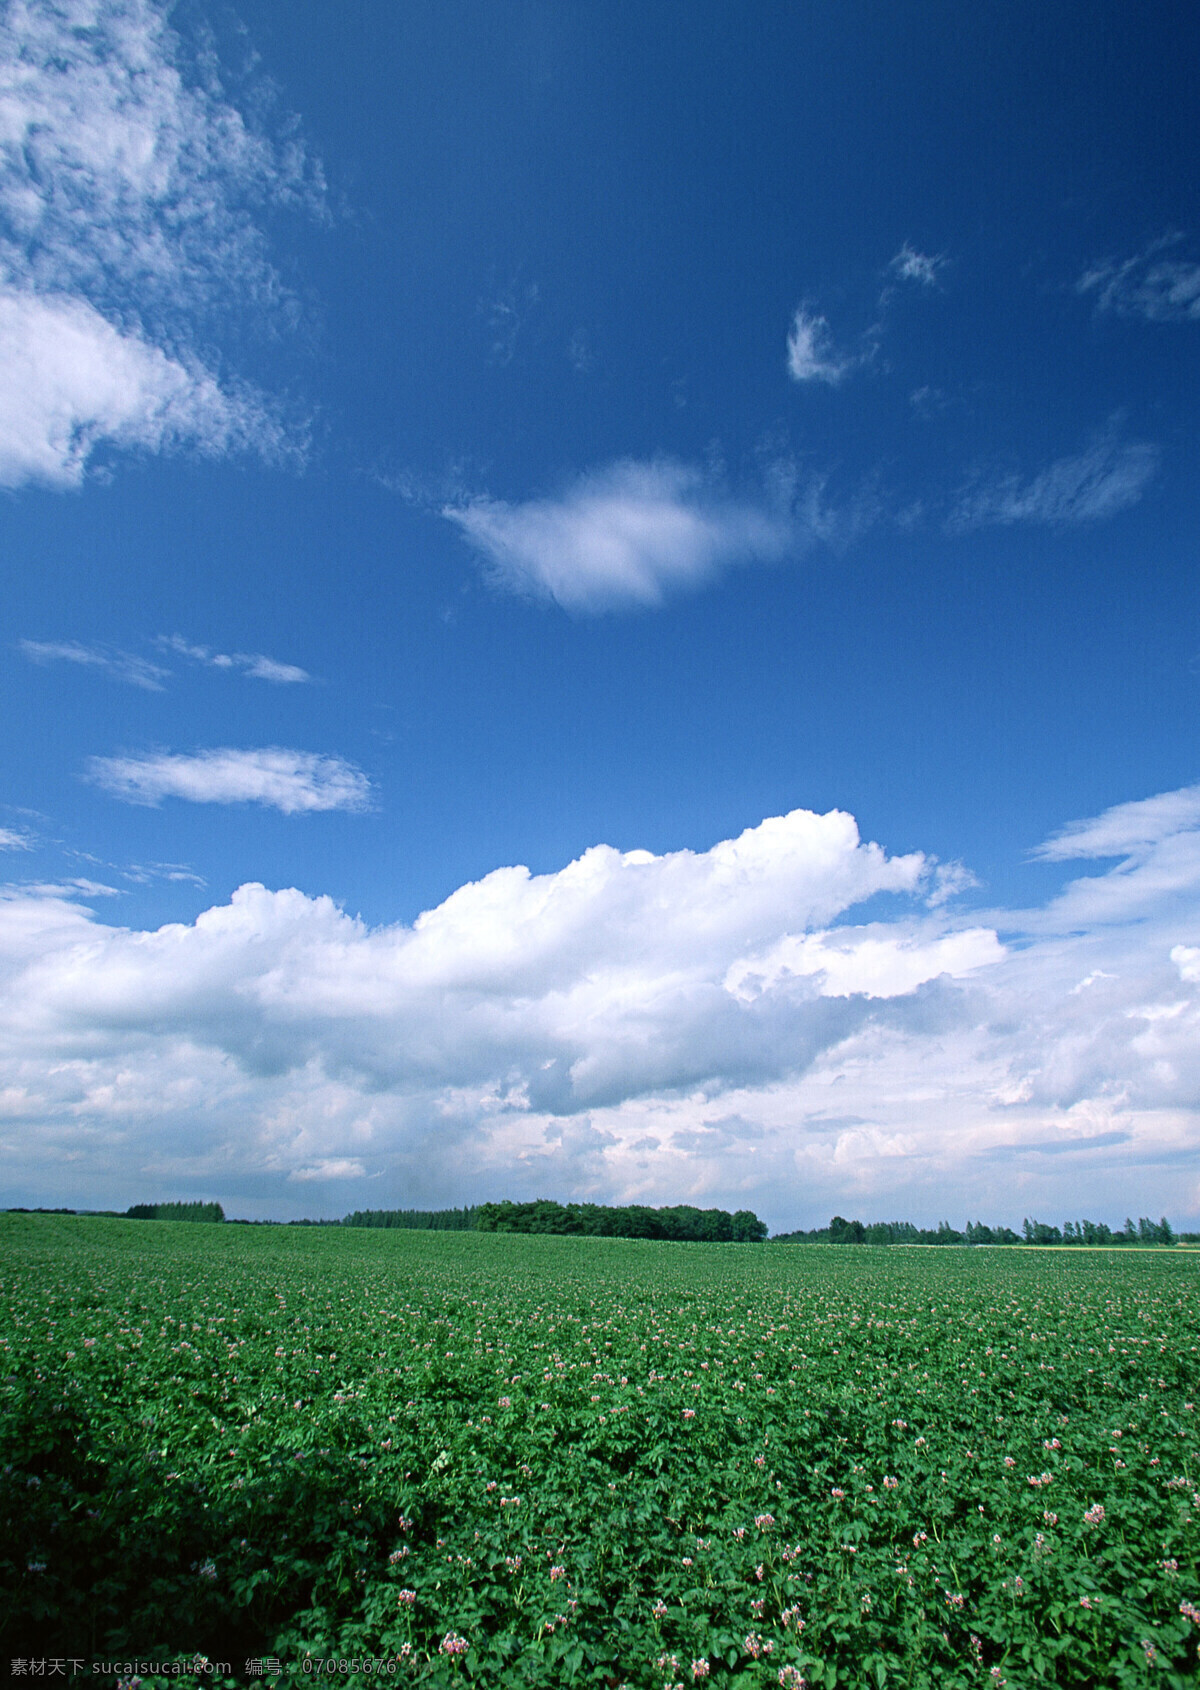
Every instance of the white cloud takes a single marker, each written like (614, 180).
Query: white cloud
(253, 663)
(69, 380)
(11, 840)
(261, 668)
(1150, 285)
(1104, 478)
(296, 782)
(126, 193)
(872, 961)
(1126, 829)
(811, 354)
(913, 266)
(702, 1025)
(331, 1167)
(626, 535)
(120, 665)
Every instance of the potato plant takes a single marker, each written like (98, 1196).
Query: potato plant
(448, 1459)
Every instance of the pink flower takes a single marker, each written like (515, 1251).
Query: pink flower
(792, 1678)
(556, 1573)
(453, 1644)
(406, 1598)
(659, 1610)
(1094, 1516)
(889, 1483)
(700, 1669)
(505, 1402)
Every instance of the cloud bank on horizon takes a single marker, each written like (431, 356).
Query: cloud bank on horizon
(631, 1026)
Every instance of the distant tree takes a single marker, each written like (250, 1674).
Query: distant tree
(175, 1212)
(846, 1232)
(682, 1223)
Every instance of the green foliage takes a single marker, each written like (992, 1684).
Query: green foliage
(175, 1212)
(682, 1223)
(840, 1231)
(598, 1462)
(415, 1220)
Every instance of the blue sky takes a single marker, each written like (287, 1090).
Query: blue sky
(530, 495)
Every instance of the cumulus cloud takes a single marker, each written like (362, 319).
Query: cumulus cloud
(127, 231)
(296, 782)
(623, 536)
(119, 665)
(1106, 477)
(704, 1025)
(1152, 285)
(811, 354)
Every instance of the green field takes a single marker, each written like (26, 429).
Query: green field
(597, 1461)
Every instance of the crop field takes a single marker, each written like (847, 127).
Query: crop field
(450, 1459)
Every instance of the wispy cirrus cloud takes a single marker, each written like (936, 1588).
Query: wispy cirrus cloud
(69, 381)
(1106, 477)
(109, 660)
(811, 353)
(295, 782)
(1126, 830)
(624, 536)
(137, 671)
(128, 200)
(909, 265)
(1151, 284)
(256, 664)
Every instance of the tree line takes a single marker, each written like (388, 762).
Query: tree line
(841, 1231)
(680, 1222)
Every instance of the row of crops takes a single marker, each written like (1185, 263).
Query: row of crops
(454, 1458)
